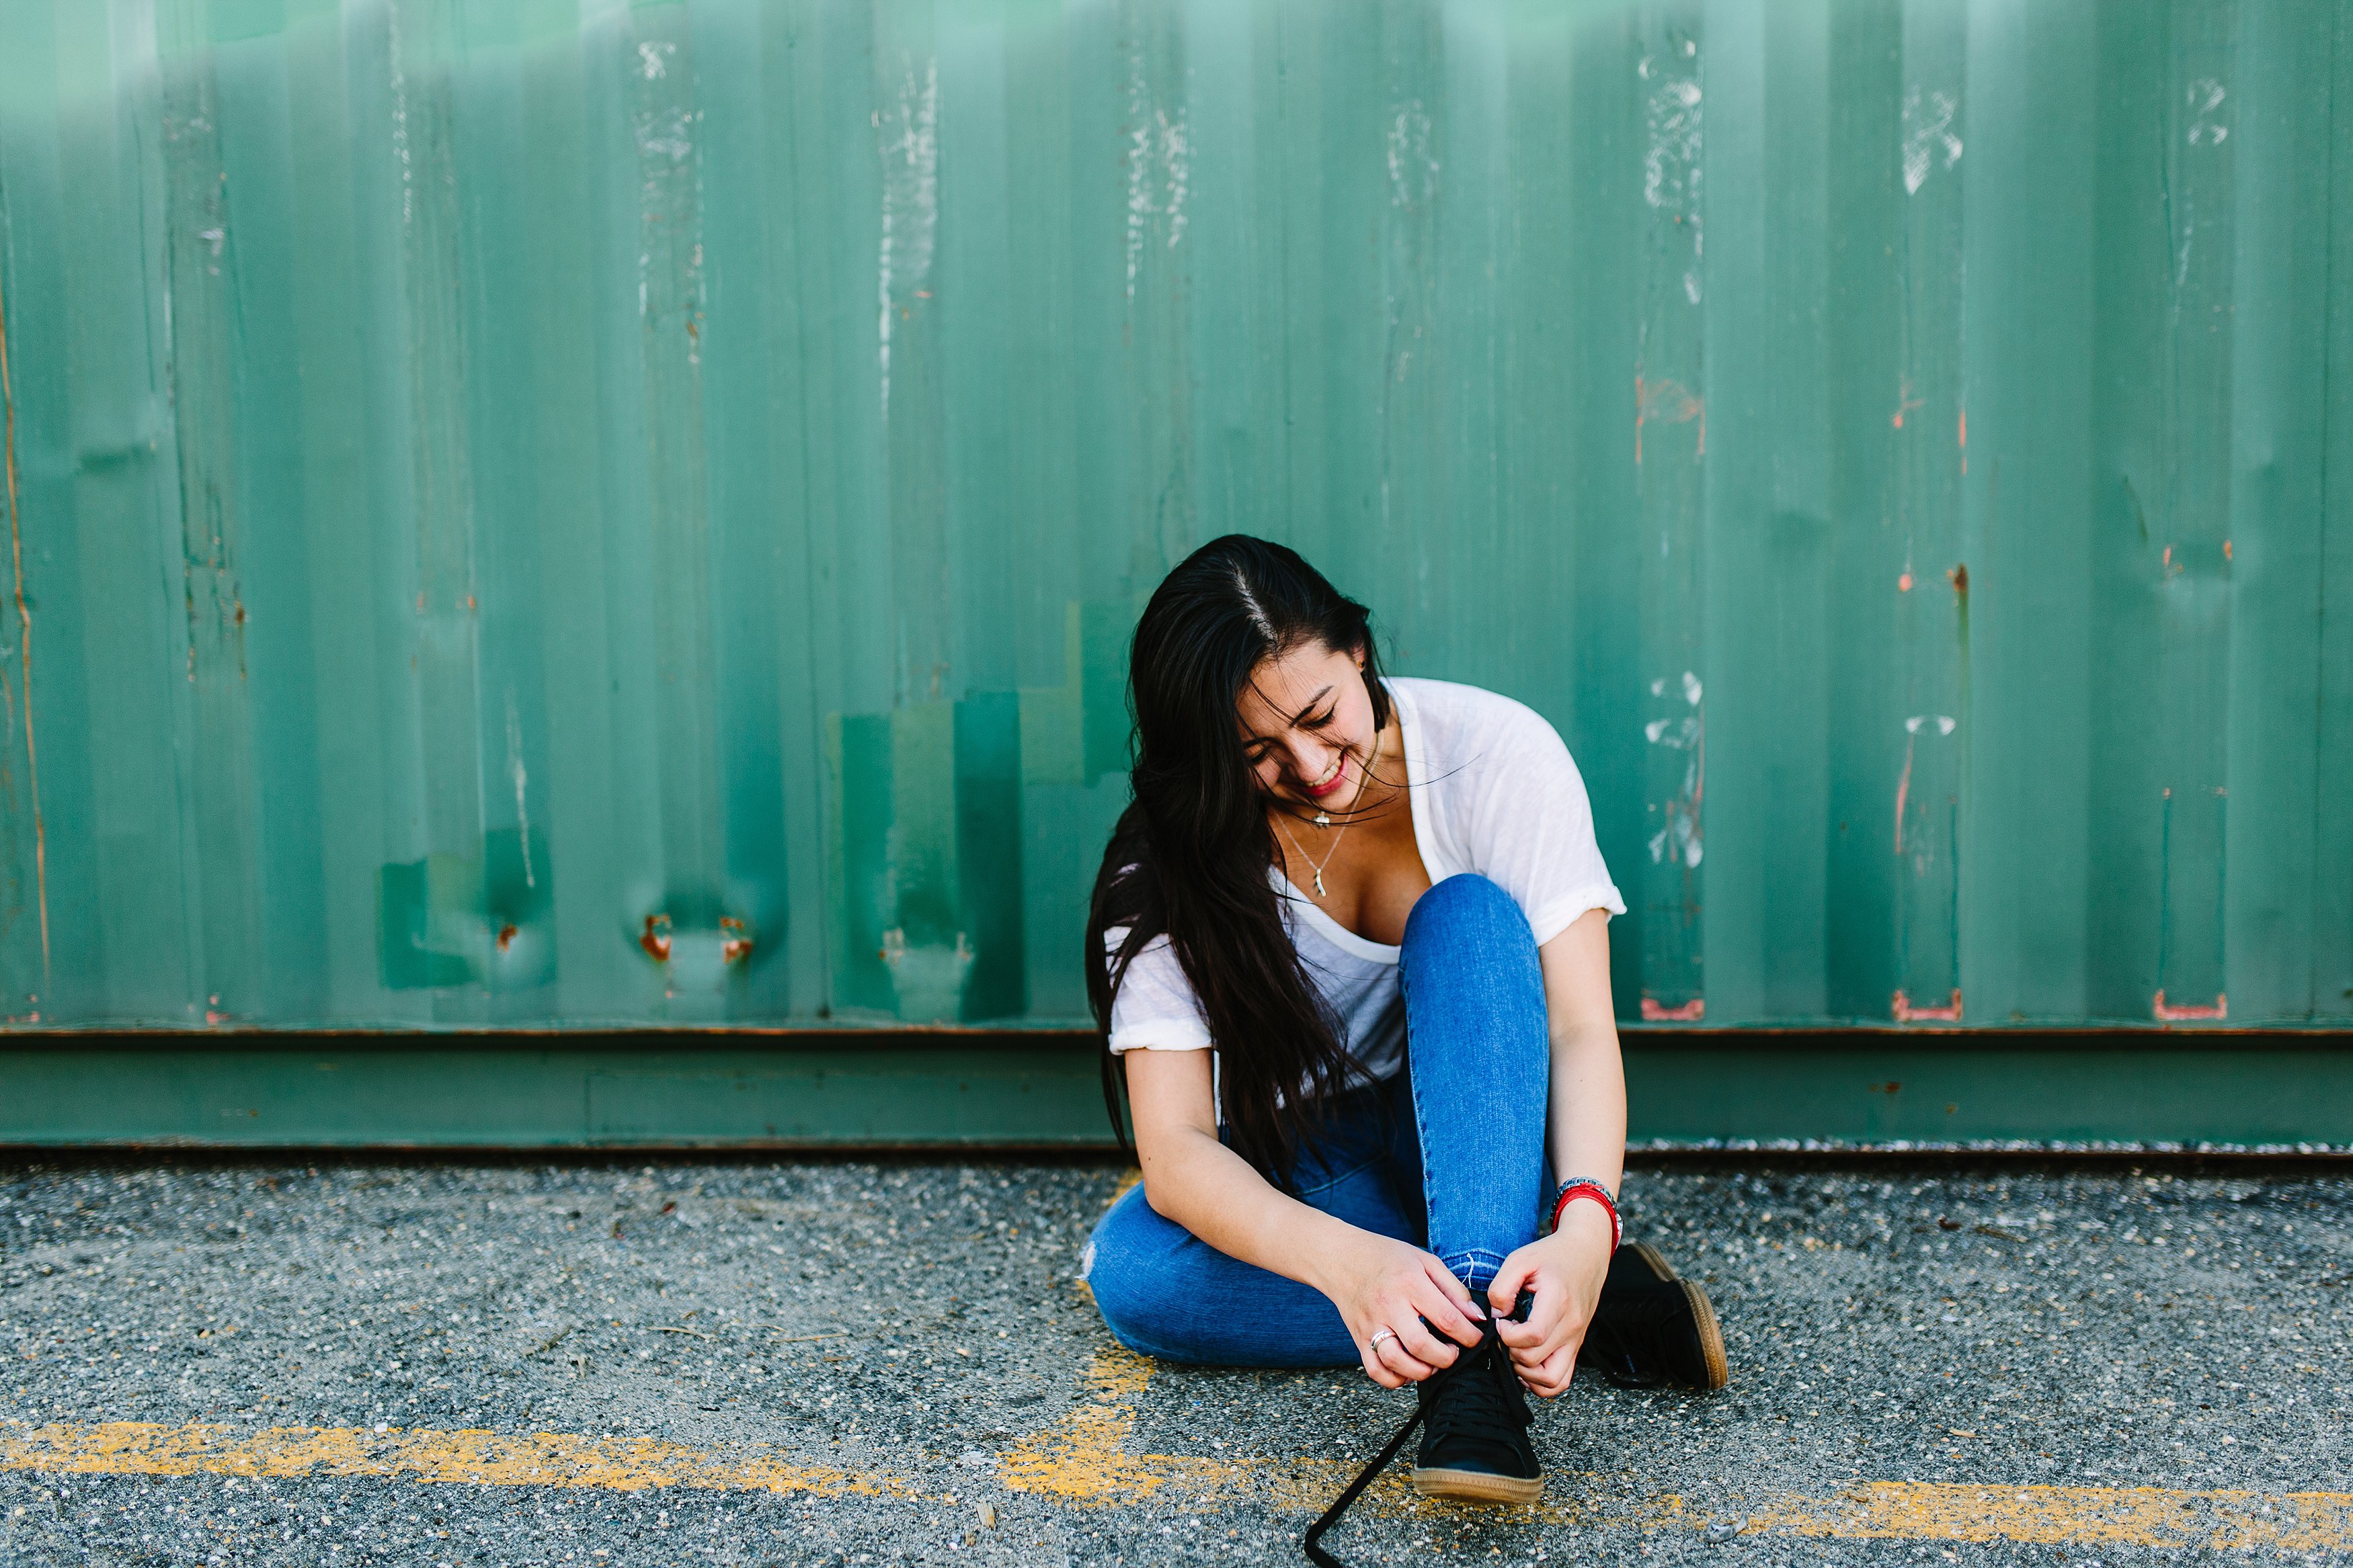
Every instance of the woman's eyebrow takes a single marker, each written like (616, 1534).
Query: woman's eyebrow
(1300, 717)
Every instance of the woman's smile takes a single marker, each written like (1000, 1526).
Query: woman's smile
(1331, 781)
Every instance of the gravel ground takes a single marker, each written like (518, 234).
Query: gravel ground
(1994, 1327)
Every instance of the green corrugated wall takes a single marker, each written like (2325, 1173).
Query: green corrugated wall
(527, 512)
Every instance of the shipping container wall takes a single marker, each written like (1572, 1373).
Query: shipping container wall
(560, 513)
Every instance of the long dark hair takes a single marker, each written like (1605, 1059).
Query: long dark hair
(1191, 856)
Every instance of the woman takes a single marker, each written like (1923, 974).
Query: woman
(1350, 946)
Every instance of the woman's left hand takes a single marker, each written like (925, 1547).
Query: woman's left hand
(1566, 1271)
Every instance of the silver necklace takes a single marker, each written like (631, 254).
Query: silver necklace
(1324, 820)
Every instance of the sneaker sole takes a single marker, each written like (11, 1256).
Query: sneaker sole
(1710, 1337)
(1477, 1486)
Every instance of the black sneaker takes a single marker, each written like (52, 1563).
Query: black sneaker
(1652, 1327)
(1474, 1434)
(1638, 1263)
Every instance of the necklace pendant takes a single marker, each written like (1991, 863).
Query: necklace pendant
(1323, 819)
(1319, 885)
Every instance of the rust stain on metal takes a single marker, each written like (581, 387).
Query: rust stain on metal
(1904, 791)
(1905, 1013)
(2191, 1012)
(1958, 576)
(506, 936)
(655, 939)
(25, 648)
(1905, 402)
(1668, 402)
(734, 941)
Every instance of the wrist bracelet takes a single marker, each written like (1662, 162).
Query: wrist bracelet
(1578, 1187)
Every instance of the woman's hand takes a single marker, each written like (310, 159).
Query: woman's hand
(1383, 1284)
(1566, 1271)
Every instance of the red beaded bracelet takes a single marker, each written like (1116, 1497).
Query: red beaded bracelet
(1578, 1187)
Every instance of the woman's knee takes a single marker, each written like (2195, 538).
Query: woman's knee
(1466, 906)
(1164, 1292)
(1131, 1266)
(1471, 975)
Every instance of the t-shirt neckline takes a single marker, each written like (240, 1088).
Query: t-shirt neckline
(1321, 923)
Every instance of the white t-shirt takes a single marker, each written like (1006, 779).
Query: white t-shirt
(1493, 791)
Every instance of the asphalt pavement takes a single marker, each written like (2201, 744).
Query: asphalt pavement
(844, 1363)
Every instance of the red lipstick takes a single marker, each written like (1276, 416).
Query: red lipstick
(1338, 779)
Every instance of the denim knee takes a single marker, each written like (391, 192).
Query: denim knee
(1164, 1292)
(1463, 903)
(1119, 1268)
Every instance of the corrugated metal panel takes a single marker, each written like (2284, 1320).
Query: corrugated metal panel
(548, 513)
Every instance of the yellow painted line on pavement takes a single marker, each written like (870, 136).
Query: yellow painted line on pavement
(2085, 1516)
(480, 1457)
(1083, 1456)
(1083, 1460)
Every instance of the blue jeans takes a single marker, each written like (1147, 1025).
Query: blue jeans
(1448, 1155)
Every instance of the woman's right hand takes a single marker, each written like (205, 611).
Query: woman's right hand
(1381, 1283)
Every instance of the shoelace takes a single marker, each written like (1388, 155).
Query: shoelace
(1480, 1395)
(1479, 1388)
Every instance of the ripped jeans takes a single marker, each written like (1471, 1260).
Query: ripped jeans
(1448, 1155)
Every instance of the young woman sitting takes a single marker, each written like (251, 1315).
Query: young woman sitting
(1350, 945)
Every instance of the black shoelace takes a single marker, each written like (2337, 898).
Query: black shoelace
(1477, 1371)
(1481, 1394)
(1315, 1552)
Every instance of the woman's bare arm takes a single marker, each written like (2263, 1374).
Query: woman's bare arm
(1193, 1179)
(1586, 1126)
(1585, 1136)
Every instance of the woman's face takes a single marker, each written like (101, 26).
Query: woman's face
(1307, 725)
